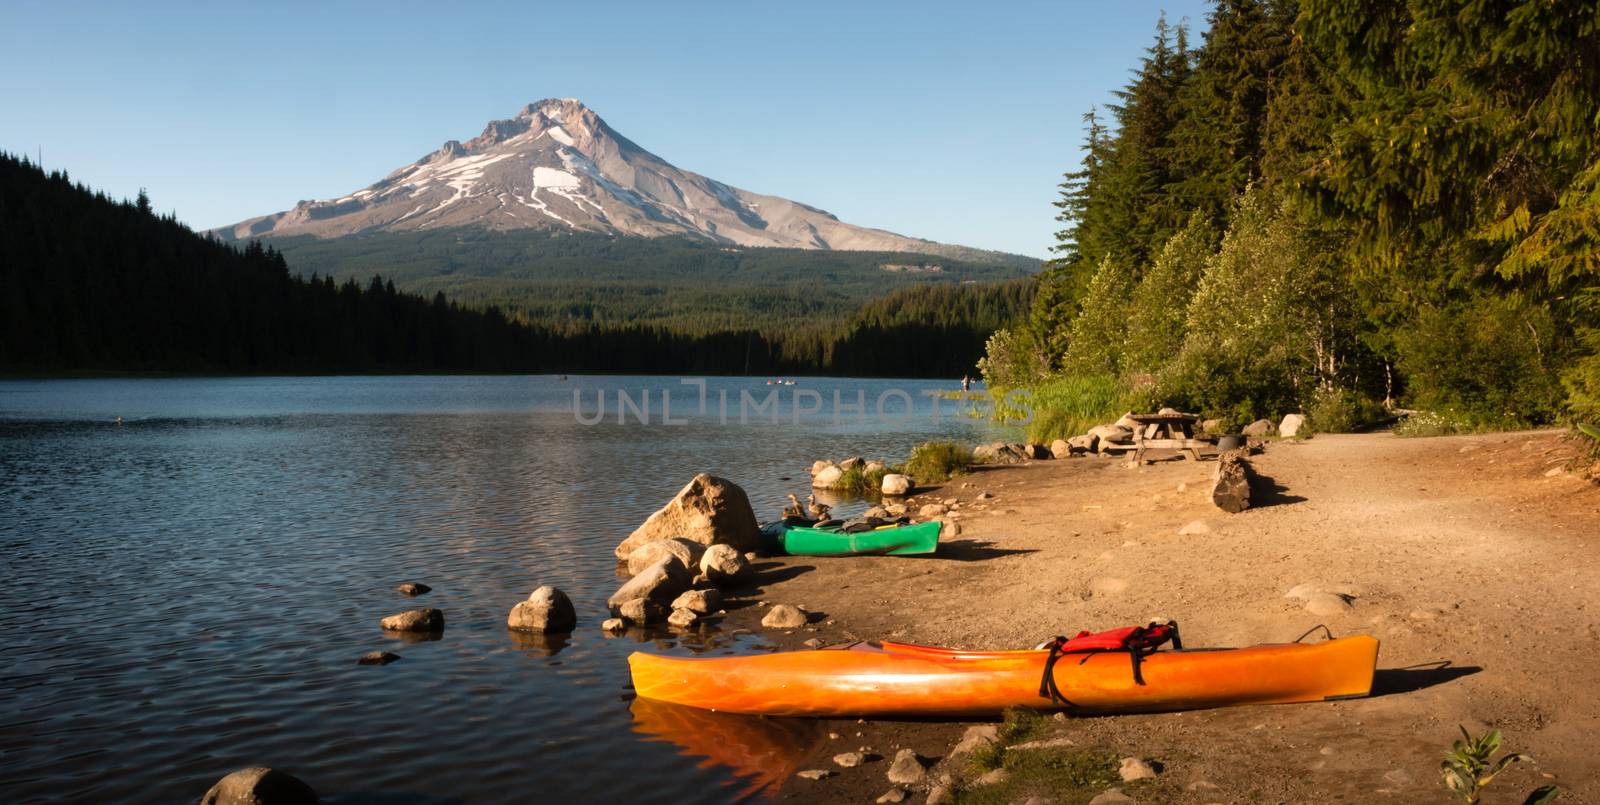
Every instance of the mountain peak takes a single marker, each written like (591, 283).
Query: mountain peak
(557, 165)
(554, 108)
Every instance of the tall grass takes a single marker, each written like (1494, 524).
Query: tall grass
(933, 462)
(1068, 405)
(860, 482)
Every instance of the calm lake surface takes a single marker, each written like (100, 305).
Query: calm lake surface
(186, 592)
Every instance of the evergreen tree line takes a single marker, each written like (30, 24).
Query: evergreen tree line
(92, 284)
(1331, 204)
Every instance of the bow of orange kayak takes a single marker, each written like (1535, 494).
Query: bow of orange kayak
(892, 679)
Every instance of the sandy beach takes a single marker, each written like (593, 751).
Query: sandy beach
(1471, 558)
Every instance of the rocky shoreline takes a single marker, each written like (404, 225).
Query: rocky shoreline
(1034, 544)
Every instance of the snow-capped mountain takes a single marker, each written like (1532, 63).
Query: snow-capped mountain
(556, 164)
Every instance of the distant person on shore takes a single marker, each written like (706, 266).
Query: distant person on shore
(966, 382)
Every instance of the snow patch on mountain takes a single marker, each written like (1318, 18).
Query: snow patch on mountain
(551, 177)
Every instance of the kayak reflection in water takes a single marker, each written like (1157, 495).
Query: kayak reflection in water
(762, 752)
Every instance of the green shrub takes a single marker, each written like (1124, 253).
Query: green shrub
(1340, 410)
(934, 462)
(1485, 357)
(1012, 358)
(1101, 326)
(1158, 307)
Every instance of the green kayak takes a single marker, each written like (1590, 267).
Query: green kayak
(905, 540)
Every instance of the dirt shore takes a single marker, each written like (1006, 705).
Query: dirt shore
(1467, 557)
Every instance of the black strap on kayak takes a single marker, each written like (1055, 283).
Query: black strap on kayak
(1140, 642)
(1312, 630)
(1047, 685)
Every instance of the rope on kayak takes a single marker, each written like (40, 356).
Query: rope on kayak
(1309, 632)
(1137, 641)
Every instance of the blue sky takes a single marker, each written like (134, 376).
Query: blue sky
(950, 121)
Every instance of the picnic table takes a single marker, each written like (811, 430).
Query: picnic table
(1167, 431)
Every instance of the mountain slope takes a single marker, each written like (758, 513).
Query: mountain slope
(557, 166)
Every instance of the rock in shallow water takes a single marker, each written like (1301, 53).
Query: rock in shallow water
(702, 602)
(708, 510)
(660, 582)
(687, 553)
(413, 588)
(415, 620)
(259, 785)
(377, 658)
(828, 478)
(546, 610)
(642, 611)
(895, 485)
(613, 625)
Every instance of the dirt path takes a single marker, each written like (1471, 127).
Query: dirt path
(1457, 551)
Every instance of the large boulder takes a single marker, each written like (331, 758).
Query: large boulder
(873, 466)
(852, 463)
(828, 478)
(415, 620)
(546, 610)
(1260, 427)
(723, 564)
(709, 510)
(1291, 425)
(1037, 452)
(896, 485)
(1087, 443)
(660, 582)
(1060, 448)
(259, 786)
(819, 465)
(685, 552)
(1230, 485)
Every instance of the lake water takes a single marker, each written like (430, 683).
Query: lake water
(186, 591)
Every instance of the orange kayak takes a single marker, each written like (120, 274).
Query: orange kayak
(898, 679)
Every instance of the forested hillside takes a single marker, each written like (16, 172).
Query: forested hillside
(685, 284)
(90, 284)
(1332, 204)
